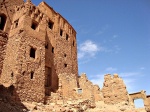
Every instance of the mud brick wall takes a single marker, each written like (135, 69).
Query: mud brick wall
(3, 42)
(8, 9)
(67, 86)
(114, 90)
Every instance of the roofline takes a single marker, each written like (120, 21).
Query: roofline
(58, 14)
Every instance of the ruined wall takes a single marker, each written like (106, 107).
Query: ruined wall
(3, 42)
(68, 86)
(147, 103)
(114, 90)
(87, 87)
(7, 8)
(89, 91)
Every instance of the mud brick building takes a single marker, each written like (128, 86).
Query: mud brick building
(38, 59)
(41, 44)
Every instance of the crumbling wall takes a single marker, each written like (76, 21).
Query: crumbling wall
(89, 91)
(114, 90)
(7, 7)
(67, 86)
(3, 42)
(97, 93)
(147, 103)
(87, 87)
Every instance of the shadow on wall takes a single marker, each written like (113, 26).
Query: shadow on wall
(9, 101)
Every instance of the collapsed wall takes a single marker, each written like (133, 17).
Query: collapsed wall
(114, 90)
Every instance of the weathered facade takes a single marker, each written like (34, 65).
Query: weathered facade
(41, 45)
(38, 60)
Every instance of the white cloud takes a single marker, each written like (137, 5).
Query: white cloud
(88, 49)
(115, 36)
(129, 74)
(142, 68)
(102, 30)
(111, 69)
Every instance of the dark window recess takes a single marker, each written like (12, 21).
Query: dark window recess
(32, 74)
(73, 43)
(52, 49)
(23, 73)
(46, 45)
(16, 23)
(2, 21)
(34, 25)
(12, 75)
(32, 52)
(67, 37)
(61, 32)
(50, 25)
(65, 55)
(65, 65)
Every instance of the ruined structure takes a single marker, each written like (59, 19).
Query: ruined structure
(114, 90)
(41, 45)
(38, 62)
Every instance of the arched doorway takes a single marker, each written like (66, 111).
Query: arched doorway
(2, 21)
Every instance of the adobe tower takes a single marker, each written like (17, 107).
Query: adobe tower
(41, 45)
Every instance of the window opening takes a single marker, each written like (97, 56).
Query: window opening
(32, 73)
(67, 37)
(32, 52)
(34, 25)
(61, 32)
(139, 103)
(52, 49)
(12, 75)
(16, 23)
(23, 73)
(50, 24)
(46, 45)
(79, 91)
(73, 43)
(65, 65)
(2, 21)
(65, 55)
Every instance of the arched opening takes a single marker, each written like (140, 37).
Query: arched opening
(139, 103)
(2, 21)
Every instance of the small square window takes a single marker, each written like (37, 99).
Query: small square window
(52, 49)
(73, 43)
(65, 65)
(32, 52)
(65, 55)
(79, 91)
(46, 45)
(34, 25)
(16, 23)
(32, 74)
(50, 25)
(67, 37)
(61, 32)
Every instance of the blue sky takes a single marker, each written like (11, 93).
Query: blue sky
(113, 36)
